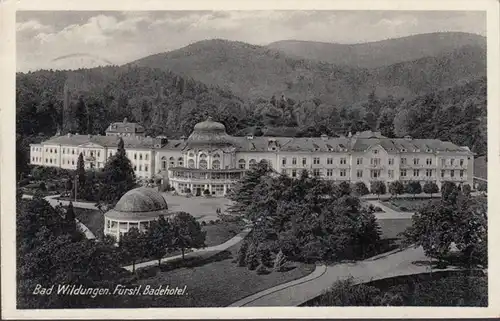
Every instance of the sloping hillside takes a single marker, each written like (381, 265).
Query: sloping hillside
(379, 53)
(258, 72)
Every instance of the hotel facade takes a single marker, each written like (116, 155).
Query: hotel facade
(211, 161)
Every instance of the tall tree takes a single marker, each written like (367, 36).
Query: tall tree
(242, 193)
(133, 245)
(186, 232)
(159, 238)
(396, 188)
(430, 188)
(413, 187)
(118, 175)
(80, 176)
(361, 189)
(378, 188)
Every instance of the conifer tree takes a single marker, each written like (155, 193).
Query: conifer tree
(118, 175)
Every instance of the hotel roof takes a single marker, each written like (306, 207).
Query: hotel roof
(125, 127)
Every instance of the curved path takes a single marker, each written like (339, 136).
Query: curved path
(204, 252)
(53, 202)
(295, 293)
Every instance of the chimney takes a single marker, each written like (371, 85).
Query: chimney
(324, 136)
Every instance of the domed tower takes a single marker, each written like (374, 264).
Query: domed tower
(136, 208)
(209, 159)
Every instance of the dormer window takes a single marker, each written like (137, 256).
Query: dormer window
(375, 151)
(403, 150)
(429, 150)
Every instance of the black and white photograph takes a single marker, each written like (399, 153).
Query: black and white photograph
(251, 158)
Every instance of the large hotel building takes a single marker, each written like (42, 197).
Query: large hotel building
(210, 159)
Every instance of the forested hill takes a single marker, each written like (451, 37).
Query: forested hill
(259, 72)
(380, 53)
(87, 100)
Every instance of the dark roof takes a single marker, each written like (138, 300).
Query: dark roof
(139, 203)
(105, 141)
(125, 127)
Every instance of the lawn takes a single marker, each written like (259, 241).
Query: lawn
(390, 228)
(215, 282)
(406, 204)
(221, 232)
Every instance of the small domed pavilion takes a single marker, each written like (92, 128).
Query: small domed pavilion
(136, 208)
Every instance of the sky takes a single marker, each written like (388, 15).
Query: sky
(79, 39)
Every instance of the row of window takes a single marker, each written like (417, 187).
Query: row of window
(203, 155)
(146, 168)
(376, 173)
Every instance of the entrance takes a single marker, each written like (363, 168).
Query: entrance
(198, 191)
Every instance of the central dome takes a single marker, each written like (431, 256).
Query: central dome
(209, 133)
(210, 125)
(141, 200)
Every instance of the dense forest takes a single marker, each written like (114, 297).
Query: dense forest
(87, 100)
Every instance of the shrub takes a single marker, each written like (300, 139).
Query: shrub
(242, 253)
(279, 262)
(251, 258)
(24, 182)
(211, 222)
(378, 209)
(346, 293)
(264, 254)
(51, 187)
(203, 223)
(261, 269)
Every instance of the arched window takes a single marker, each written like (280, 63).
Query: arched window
(172, 162)
(140, 156)
(203, 156)
(164, 163)
(203, 164)
(216, 156)
(216, 164)
(191, 163)
(252, 163)
(242, 164)
(180, 162)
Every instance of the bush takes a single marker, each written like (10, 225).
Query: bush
(206, 192)
(211, 222)
(203, 223)
(24, 182)
(378, 209)
(251, 258)
(51, 187)
(279, 262)
(242, 253)
(346, 293)
(261, 269)
(264, 254)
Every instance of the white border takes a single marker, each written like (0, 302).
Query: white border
(7, 161)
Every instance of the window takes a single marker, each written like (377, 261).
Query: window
(140, 168)
(343, 161)
(329, 161)
(391, 161)
(375, 151)
(203, 164)
(342, 172)
(242, 164)
(390, 173)
(135, 168)
(452, 161)
(442, 173)
(329, 172)
(216, 156)
(428, 172)
(294, 173)
(171, 161)
(375, 161)
(135, 156)
(64, 150)
(163, 163)
(146, 156)
(359, 173)
(428, 161)
(180, 162)
(252, 163)
(98, 154)
(294, 161)
(375, 173)
(216, 164)
(283, 171)
(452, 173)
(191, 163)
(416, 161)
(304, 161)
(461, 173)
(461, 162)
(403, 161)
(403, 173)
(140, 156)
(359, 161)
(283, 161)
(316, 160)
(416, 172)
(443, 162)
(203, 156)
(316, 172)
(72, 162)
